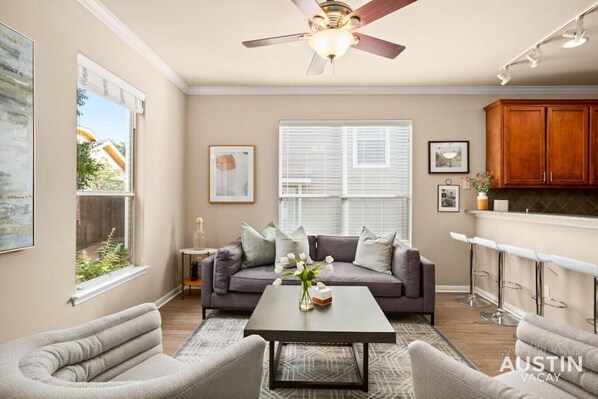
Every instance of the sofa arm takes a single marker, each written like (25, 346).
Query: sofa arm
(428, 270)
(207, 281)
(435, 375)
(406, 267)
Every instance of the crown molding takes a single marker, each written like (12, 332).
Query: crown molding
(381, 90)
(121, 30)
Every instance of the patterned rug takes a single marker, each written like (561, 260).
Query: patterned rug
(390, 370)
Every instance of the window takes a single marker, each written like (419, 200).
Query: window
(337, 177)
(106, 115)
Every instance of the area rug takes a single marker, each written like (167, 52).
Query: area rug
(390, 369)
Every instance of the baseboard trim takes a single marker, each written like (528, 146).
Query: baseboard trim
(515, 311)
(452, 288)
(168, 297)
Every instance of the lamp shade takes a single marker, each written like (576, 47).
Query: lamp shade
(331, 43)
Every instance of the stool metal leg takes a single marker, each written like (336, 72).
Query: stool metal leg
(540, 288)
(500, 316)
(595, 305)
(472, 300)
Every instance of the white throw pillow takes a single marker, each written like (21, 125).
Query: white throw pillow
(374, 252)
(294, 243)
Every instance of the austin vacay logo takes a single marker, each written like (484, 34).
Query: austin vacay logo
(546, 368)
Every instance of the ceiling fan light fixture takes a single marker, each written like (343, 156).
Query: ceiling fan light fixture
(535, 57)
(504, 75)
(331, 44)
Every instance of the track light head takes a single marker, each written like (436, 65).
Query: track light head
(576, 37)
(504, 75)
(535, 57)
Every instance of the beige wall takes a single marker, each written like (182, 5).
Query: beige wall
(573, 288)
(35, 284)
(254, 120)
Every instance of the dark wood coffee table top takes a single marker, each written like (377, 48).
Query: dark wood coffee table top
(353, 316)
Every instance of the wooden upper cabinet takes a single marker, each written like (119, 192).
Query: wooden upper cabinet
(542, 143)
(524, 149)
(567, 145)
(594, 145)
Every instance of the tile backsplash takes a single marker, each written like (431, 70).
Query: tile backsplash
(572, 201)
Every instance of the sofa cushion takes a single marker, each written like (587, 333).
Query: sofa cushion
(295, 243)
(256, 279)
(522, 382)
(154, 367)
(258, 247)
(312, 246)
(228, 261)
(406, 266)
(374, 252)
(341, 248)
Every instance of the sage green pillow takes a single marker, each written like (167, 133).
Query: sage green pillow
(295, 243)
(258, 247)
(374, 252)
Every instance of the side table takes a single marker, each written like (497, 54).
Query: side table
(190, 252)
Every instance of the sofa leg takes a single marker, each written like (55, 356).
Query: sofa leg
(432, 318)
(203, 313)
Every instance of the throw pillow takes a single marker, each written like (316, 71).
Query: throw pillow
(374, 252)
(294, 243)
(258, 247)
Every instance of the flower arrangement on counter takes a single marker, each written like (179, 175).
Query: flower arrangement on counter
(481, 182)
(305, 271)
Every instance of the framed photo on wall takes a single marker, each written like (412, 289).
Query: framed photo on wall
(448, 156)
(16, 141)
(448, 198)
(232, 174)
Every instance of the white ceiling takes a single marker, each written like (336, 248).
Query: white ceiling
(449, 43)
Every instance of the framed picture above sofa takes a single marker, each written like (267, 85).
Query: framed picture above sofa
(232, 174)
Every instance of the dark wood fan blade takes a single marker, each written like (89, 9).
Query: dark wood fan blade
(376, 9)
(310, 8)
(378, 46)
(276, 40)
(317, 65)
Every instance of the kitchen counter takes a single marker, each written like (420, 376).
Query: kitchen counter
(590, 222)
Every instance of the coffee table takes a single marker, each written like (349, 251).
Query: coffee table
(353, 317)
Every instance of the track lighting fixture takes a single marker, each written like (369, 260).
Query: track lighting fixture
(576, 37)
(535, 57)
(504, 75)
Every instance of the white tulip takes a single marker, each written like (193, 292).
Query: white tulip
(278, 269)
(329, 259)
(291, 256)
(300, 266)
(277, 282)
(284, 260)
(321, 285)
(302, 256)
(297, 272)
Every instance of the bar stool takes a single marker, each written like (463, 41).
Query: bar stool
(500, 316)
(539, 259)
(585, 268)
(472, 299)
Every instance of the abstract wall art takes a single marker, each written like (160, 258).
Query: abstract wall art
(16, 141)
(232, 173)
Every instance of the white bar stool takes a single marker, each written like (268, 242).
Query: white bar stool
(471, 300)
(539, 259)
(585, 268)
(500, 316)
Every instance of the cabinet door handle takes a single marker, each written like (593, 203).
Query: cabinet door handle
(544, 177)
(551, 176)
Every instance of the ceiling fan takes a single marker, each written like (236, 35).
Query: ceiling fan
(333, 26)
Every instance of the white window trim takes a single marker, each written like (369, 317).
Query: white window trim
(92, 288)
(386, 164)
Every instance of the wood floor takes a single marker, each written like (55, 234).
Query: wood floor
(484, 344)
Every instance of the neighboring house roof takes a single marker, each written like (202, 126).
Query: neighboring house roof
(106, 145)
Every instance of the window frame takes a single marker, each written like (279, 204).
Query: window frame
(345, 196)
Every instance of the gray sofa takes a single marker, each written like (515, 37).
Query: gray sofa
(120, 357)
(546, 343)
(409, 289)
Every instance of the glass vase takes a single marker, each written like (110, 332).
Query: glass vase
(305, 301)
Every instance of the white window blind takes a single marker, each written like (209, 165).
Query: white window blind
(99, 80)
(337, 177)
